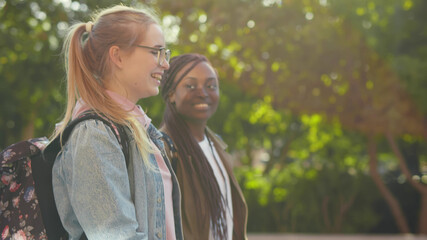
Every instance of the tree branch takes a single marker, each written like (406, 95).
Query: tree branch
(395, 208)
(403, 166)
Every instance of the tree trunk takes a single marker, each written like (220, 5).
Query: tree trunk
(343, 209)
(325, 212)
(422, 226)
(421, 188)
(397, 212)
(344, 206)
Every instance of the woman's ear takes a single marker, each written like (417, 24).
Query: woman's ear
(116, 56)
(171, 98)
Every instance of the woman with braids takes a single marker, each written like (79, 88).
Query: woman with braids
(213, 206)
(111, 64)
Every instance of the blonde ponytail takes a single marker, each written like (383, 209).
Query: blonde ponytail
(87, 64)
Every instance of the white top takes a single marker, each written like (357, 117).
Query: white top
(223, 185)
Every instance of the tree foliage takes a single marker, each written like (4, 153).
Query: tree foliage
(318, 97)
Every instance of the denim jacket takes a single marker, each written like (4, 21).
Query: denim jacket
(96, 193)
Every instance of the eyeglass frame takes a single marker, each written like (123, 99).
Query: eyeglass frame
(160, 61)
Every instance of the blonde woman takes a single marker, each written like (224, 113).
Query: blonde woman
(111, 63)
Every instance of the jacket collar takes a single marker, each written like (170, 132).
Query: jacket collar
(217, 139)
(153, 132)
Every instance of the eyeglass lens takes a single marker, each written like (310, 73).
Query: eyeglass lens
(163, 55)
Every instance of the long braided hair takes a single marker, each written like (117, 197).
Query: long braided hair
(192, 156)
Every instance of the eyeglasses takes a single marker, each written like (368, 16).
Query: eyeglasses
(163, 54)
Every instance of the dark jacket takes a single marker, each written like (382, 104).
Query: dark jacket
(198, 228)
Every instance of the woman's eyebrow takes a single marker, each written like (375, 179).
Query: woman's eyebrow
(195, 78)
(159, 46)
(190, 78)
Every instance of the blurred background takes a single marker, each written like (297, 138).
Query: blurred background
(323, 102)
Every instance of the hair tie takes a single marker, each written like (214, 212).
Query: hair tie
(89, 26)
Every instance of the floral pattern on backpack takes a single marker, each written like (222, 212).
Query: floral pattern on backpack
(20, 215)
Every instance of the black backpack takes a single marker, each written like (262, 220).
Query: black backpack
(27, 204)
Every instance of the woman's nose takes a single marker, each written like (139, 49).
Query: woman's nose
(201, 91)
(165, 65)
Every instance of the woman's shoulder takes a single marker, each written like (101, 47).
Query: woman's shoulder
(90, 141)
(166, 136)
(170, 147)
(217, 139)
(164, 129)
(91, 130)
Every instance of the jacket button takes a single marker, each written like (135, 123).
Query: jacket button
(159, 235)
(159, 200)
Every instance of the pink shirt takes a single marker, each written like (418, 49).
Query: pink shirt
(145, 121)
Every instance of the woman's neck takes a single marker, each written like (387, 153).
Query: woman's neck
(197, 130)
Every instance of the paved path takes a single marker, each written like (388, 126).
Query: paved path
(259, 236)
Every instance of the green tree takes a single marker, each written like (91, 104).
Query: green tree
(324, 89)
(326, 57)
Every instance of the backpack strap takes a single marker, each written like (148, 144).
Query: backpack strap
(56, 145)
(42, 171)
(118, 130)
(172, 148)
